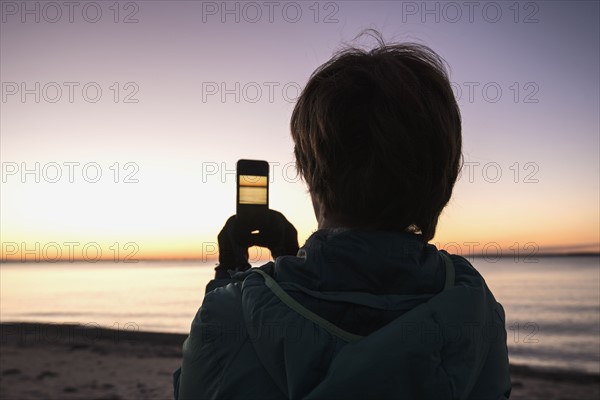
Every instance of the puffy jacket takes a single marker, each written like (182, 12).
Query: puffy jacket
(356, 314)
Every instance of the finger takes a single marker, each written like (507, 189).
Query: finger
(269, 219)
(259, 239)
(230, 223)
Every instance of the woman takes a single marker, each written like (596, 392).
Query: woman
(366, 308)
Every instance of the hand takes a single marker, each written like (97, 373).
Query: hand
(233, 248)
(275, 232)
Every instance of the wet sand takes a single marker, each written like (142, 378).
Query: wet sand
(46, 361)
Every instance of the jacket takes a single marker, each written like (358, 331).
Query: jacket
(356, 314)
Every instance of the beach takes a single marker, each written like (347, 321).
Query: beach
(52, 361)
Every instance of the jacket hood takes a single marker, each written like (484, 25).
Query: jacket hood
(435, 349)
(364, 261)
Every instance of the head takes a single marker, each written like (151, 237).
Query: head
(377, 138)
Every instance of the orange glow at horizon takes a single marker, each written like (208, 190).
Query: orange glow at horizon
(207, 251)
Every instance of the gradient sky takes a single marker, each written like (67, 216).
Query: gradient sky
(182, 139)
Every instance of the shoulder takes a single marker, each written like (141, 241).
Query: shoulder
(222, 308)
(224, 299)
(219, 313)
(466, 273)
(460, 262)
(219, 352)
(468, 276)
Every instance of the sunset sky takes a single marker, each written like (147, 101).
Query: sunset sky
(136, 125)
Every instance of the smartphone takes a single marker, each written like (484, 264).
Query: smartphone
(252, 190)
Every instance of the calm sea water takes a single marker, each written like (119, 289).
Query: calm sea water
(552, 306)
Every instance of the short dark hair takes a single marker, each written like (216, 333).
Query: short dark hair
(378, 137)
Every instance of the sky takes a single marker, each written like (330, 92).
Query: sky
(121, 122)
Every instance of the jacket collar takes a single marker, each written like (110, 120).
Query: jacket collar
(379, 262)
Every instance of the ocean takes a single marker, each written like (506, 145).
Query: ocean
(552, 306)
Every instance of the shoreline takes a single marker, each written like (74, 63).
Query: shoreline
(41, 360)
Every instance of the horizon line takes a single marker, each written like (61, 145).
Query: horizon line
(207, 260)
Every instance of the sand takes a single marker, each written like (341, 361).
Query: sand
(45, 361)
